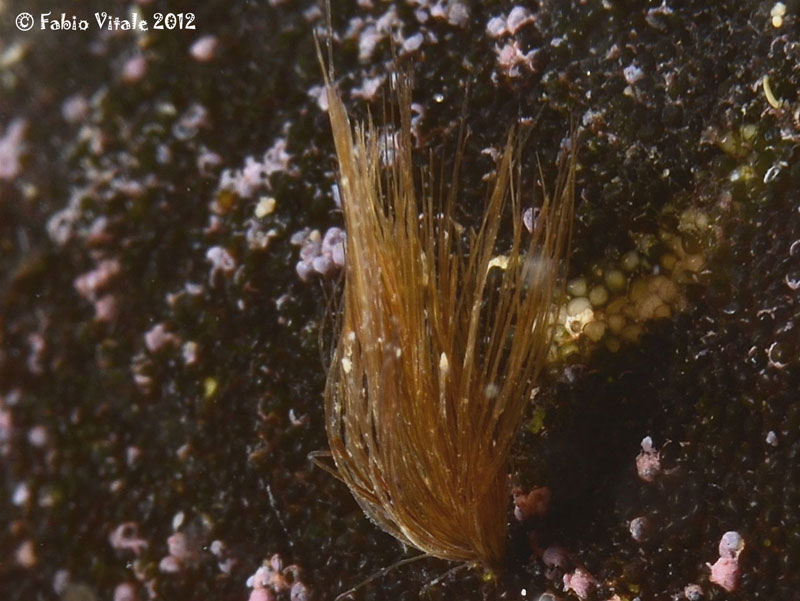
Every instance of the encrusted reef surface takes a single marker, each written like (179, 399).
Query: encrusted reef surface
(169, 251)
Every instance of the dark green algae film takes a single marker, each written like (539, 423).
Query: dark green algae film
(161, 372)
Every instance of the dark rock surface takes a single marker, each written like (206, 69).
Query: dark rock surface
(160, 371)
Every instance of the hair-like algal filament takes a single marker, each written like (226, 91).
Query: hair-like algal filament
(437, 352)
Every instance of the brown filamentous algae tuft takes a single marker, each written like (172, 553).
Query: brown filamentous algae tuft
(438, 352)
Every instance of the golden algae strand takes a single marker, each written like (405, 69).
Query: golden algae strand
(436, 356)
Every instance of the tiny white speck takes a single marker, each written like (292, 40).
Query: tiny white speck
(444, 365)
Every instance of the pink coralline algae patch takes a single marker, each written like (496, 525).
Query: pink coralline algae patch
(189, 352)
(89, 284)
(11, 146)
(203, 49)
(158, 337)
(320, 96)
(191, 121)
(225, 560)
(25, 555)
(648, 461)
(259, 235)
(368, 40)
(187, 547)
(61, 580)
(454, 12)
(207, 160)
(222, 262)
(555, 557)
(255, 174)
(272, 578)
(37, 346)
(6, 428)
(125, 592)
(531, 504)
(413, 43)
(562, 570)
(639, 528)
(134, 69)
(726, 570)
(516, 20)
(368, 89)
(37, 436)
(370, 31)
(262, 594)
(75, 108)
(579, 582)
(725, 573)
(184, 551)
(632, 74)
(106, 308)
(731, 545)
(510, 57)
(169, 565)
(318, 254)
(126, 537)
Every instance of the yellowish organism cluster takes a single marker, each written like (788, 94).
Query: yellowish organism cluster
(612, 305)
